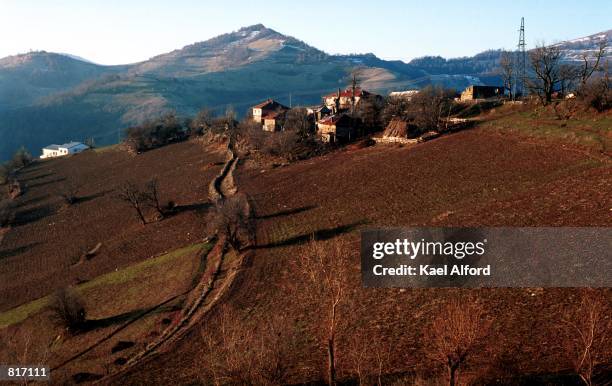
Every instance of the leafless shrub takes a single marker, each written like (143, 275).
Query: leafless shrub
(237, 353)
(457, 335)
(14, 189)
(566, 109)
(70, 193)
(249, 137)
(131, 194)
(282, 144)
(597, 93)
(230, 219)
(68, 309)
(201, 123)
(21, 158)
(7, 213)
(587, 329)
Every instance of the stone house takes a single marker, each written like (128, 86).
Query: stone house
(475, 93)
(337, 128)
(269, 114)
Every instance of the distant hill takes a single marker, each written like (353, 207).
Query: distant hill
(26, 78)
(50, 98)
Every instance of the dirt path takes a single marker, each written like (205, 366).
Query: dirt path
(222, 268)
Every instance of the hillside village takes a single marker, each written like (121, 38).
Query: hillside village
(335, 119)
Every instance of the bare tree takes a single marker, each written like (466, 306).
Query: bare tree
(588, 328)
(457, 334)
(568, 74)
(589, 66)
(597, 93)
(130, 193)
(151, 196)
(326, 269)
(545, 63)
(202, 122)
(369, 358)
(396, 107)
(250, 136)
(507, 71)
(429, 106)
(297, 120)
(230, 219)
(283, 144)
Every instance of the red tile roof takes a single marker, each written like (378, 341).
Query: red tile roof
(270, 104)
(348, 93)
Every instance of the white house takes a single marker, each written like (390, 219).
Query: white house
(408, 94)
(52, 151)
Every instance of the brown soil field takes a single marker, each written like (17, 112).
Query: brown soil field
(38, 253)
(479, 177)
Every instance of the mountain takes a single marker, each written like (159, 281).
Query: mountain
(26, 78)
(50, 98)
(574, 49)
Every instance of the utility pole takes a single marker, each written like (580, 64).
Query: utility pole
(290, 101)
(521, 60)
(353, 87)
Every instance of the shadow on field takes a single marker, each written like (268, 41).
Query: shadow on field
(43, 183)
(27, 216)
(82, 199)
(106, 322)
(199, 207)
(287, 212)
(16, 251)
(38, 177)
(322, 234)
(33, 200)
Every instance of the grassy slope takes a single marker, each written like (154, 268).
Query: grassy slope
(140, 279)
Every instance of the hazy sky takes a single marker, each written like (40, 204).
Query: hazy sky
(126, 31)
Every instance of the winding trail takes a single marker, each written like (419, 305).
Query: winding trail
(221, 270)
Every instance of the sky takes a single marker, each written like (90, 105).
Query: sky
(128, 31)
